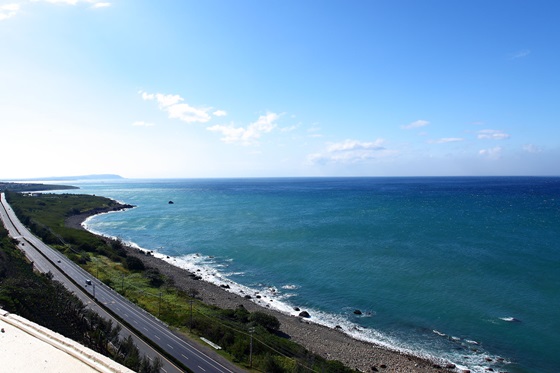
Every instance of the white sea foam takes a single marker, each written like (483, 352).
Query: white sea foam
(290, 287)
(509, 319)
(439, 333)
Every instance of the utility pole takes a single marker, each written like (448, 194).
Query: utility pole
(93, 291)
(159, 306)
(251, 331)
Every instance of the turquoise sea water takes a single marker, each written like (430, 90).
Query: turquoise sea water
(462, 268)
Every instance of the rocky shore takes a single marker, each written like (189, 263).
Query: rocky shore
(329, 343)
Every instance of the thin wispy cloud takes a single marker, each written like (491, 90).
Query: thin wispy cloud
(492, 153)
(531, 148)
(247, 135)
(140, 123)
(520, 54)
(492, 135)
(351, 151)
(416, 124)
(314, 131)
(175, 108)
(94, 3)
(8, 11)
(445, 140)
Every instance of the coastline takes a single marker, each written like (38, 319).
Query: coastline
(327, 342)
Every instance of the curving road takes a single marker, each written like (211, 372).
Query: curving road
(93, 292)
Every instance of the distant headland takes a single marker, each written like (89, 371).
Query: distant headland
(33, 185)
(71, 178)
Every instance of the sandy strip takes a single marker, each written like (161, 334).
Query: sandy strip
(329, 343)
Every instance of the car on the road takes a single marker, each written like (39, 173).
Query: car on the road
(88, 282)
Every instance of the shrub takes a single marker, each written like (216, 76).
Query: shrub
(265, 320)
(134, 264)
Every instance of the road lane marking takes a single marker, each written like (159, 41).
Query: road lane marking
(170, 346)
(204, 370)
(184, 356)
(157, 337)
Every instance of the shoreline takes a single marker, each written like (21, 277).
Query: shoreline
(330, 343)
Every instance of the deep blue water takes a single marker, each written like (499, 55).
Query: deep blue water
(436, 265)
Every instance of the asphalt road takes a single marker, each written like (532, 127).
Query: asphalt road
(46, 259)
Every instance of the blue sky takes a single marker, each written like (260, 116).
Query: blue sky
(261, 88)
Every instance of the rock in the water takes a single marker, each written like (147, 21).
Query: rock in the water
(170, 202)
(296, 309)
(357, 312)
(304, 314)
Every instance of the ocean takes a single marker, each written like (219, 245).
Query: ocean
(463, 268)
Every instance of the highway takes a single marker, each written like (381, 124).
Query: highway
(47, 259)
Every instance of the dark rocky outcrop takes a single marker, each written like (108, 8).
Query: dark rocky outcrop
(304, 314)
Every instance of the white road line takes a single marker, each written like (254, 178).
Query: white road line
(157, 337)
(184, 356)
(204, 370)
(170, 346)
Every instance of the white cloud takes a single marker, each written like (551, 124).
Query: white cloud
(492, 135)
(492, 153)
(416, 124)
(351, 151)
(140, 123)
(11, 10)
(8, 11)
(188, 114)
(220, 113)
(175, 108)
(101, 5)
(531, 148)
(247, 135)
(446, 140)
(95, 3)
